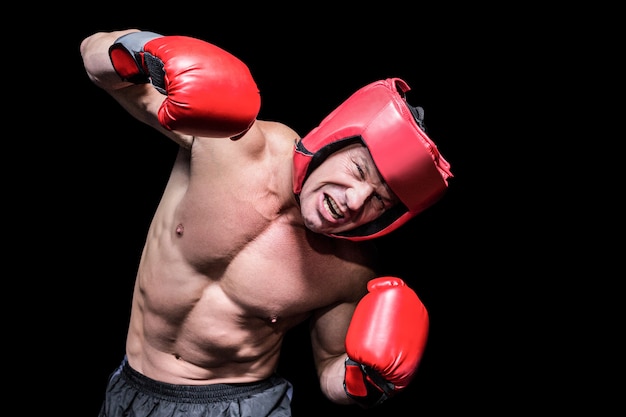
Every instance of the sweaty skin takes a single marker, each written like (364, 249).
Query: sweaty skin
(228, 264)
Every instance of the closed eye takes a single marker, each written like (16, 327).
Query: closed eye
(376, 196)
(361, 172)
(380, 200)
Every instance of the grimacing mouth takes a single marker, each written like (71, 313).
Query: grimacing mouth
(332, 207)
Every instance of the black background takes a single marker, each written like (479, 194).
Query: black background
(103, 174)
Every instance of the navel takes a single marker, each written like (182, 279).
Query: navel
(273, 318)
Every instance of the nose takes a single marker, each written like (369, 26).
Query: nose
(357, 195)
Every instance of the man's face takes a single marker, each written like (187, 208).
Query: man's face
(344, 192)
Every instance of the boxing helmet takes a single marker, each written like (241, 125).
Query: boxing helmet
(379, 116)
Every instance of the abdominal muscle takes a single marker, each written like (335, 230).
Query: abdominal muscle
(216, 310)
(224, 273)
(219, 325)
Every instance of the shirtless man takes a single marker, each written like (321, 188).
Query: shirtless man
(258, 230)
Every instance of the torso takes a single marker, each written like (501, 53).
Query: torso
(228, 267)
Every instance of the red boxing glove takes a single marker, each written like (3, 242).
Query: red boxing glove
(385, 341)
(209, 91)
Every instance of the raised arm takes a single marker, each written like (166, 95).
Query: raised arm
(182, 86)
(142, 101)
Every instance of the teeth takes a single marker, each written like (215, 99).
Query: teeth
(332, 207)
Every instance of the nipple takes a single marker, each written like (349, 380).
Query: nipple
(180, 229)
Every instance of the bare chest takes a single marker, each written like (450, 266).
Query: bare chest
(218, 218)
(228, 241)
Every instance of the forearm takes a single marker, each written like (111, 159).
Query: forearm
(331, 380)
(142, 101)
(95, 54)
(180, 85)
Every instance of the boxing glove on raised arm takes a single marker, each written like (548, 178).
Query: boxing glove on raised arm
(209, 91)
(385, 341)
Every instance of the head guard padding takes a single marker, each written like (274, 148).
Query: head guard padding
(379, 116)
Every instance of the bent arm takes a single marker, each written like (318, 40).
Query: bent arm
(142, 101)
(207, 92)
(330, 325)
(328, 334)
(383, 337)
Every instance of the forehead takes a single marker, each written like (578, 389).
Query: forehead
(362, 154)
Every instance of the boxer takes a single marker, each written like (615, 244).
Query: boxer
(259, 229)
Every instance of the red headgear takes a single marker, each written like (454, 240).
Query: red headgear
(379, 116)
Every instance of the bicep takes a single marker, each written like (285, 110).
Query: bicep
(329, 326)
(328, 334)
(328, 331)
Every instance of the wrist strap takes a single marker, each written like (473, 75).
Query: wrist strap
(365, 386)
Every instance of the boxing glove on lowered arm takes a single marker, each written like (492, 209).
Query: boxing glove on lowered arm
(209, 91)
(385, 341)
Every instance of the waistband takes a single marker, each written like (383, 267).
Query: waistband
(193, 393)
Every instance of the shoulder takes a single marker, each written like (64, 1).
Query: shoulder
(276, 129)
(268, 138)
(253, 142)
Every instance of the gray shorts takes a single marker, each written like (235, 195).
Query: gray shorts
(131, 394)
